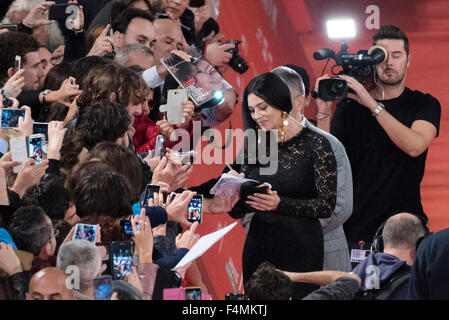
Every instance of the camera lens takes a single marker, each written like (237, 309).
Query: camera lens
(238, 64)
(336, 89)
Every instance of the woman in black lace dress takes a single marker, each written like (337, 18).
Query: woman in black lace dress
(285, 229)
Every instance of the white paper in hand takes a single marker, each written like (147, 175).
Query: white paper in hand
(204, 244)
(228, 185)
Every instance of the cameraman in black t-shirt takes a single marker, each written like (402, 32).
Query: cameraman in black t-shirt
(386, 133)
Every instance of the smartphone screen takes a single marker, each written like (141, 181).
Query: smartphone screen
(41, 127)
(10, 117)
(85, 232)
(121, 254)
(149, 192)
(36, 148)
(195, 209)
(103, 288)
(127, 227)
(193, 293)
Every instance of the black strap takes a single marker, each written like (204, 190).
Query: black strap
(394, 283)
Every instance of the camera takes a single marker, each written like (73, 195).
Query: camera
(360, 66)
(237, 62)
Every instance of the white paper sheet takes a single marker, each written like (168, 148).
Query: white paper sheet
(228, 185)
(204, 244)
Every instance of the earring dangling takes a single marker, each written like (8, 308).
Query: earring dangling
(284, 125)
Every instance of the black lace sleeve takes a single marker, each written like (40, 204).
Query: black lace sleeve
(325, 177)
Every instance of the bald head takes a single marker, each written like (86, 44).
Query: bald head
(49, 284)
(168, 37)
(402, 230)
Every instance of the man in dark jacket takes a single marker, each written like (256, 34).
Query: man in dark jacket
(400, 236)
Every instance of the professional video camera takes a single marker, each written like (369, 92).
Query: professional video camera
(359, 66)
(237, 62)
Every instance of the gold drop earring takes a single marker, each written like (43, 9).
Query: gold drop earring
(284, 125)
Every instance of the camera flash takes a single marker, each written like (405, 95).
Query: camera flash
(341, 28)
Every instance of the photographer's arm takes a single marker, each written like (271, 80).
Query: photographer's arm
(320, 278)
(413, 141)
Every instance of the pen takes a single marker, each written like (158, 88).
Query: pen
(230, 168)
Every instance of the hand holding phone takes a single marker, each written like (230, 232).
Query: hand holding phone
(175, 98)
(36, 147)
(121, 254)
(150, 190)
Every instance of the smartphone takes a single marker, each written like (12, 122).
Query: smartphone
(175, 98)
(85, 232)
(121, 254)
(36, 147)
(159, 145)
(59, 11)
(9, 117)
(17, 63)
(195, 209)
(127, 227)
(19, 151)
(41, 127)
(10, 27)
(103, 288)
(150, 190)
(193, 293)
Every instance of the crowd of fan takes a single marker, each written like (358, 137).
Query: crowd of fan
(99, 85)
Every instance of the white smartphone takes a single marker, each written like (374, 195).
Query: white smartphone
(18, 63)
(19, 151)
(175, 98)
(85, 232)
(36, 148)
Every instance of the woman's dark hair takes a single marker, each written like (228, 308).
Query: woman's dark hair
(128, 86)
(270, 88)
(63, 228)
(83, 169)
(104, 193)
(51, 196)
(101, 121)
(83, 66)
(56, 76)
(155, 113)
(122, 160)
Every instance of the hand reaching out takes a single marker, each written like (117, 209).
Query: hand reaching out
(103, 45)
(15, 84)
(37, 16)
(56, 132)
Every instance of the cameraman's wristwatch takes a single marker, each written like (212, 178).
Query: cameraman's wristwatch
(379, 108)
